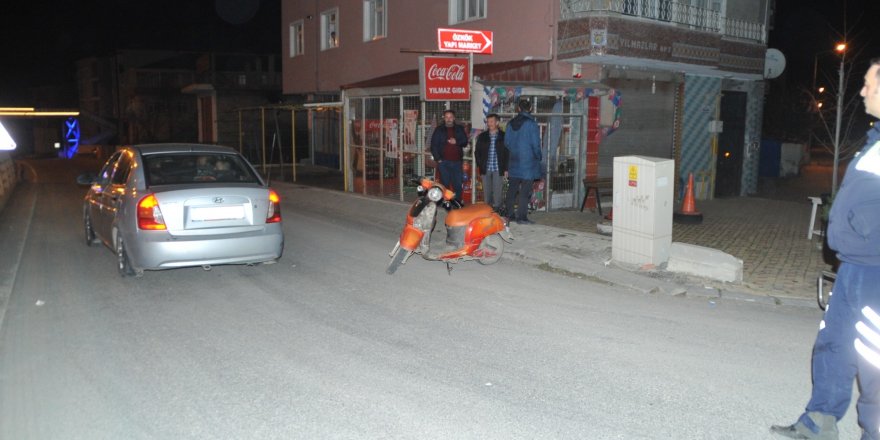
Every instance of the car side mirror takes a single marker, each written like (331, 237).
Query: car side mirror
(86, 179)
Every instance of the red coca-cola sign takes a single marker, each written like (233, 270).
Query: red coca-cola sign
(444, 78)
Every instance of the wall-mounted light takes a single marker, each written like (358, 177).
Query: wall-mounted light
(6, 142)
(37, 113)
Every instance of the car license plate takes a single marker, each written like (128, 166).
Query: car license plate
(217, 213)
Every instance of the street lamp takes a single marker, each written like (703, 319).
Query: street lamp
(841, 49)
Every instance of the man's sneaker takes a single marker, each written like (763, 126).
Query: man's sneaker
(811, 426)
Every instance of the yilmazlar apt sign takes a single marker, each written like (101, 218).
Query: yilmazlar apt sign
(444, 78)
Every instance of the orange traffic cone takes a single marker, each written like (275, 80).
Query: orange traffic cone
(610, 215)
(688, 212)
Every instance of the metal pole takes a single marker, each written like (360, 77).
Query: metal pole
(263, 133)
(840, 92)
(293, 141)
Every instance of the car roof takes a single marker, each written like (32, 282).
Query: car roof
(147, 149)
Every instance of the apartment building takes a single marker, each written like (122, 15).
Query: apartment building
(680, 80)
(143, 96)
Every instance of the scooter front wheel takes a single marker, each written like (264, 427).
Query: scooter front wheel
(396, 260)
(492, 247)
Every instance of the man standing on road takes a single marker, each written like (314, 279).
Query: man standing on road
(523, 140)
(854, 233)
(491, 156)
(447, 147)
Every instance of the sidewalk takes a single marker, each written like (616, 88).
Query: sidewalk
(770, 236)
(767, 231)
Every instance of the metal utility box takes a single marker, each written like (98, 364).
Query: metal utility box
(643, 202)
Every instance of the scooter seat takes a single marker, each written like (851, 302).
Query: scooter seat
(463, 216)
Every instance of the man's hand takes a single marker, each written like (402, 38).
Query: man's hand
(451, 140)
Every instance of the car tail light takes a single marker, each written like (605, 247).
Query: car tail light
(149, 215)
(274, 212)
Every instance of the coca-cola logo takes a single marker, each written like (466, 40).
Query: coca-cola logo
(454, 72)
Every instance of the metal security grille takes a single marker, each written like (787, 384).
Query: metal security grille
(645, 129)
(267, 137)
(390, 136)
(389, 142)
(562, 151)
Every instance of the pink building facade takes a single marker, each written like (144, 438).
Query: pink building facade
(606, 78)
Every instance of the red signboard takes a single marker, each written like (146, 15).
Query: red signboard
(464, 41)
(444, 78)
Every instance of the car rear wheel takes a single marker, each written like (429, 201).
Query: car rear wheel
(89, 231)
(123, 264)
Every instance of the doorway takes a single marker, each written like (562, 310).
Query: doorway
(729, 160)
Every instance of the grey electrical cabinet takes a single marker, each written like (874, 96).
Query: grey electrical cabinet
(643, 201)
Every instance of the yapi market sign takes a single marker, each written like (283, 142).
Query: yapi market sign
(464, 41)
(444, 78)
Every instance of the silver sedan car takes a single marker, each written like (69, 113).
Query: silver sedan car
(164, 206)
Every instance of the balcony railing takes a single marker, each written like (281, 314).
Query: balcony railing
(669, 12)
(746, 30)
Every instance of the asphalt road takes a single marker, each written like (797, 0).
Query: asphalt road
(325, 345)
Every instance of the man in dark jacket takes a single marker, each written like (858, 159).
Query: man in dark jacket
(843, 346)
(491, 155)
(523, 140)
(447, 147)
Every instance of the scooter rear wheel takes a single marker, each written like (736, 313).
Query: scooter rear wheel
(396, 260)
(492, 245)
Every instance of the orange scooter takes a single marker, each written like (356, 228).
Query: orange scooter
(473, 232)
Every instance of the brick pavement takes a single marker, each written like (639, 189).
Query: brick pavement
(768, 235)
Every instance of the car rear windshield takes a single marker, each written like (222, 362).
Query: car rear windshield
(178, 168)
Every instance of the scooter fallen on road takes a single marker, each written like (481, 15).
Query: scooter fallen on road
(473, 232)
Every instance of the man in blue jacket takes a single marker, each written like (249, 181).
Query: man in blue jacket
(523, 140)
(447, 147)
(854, 232)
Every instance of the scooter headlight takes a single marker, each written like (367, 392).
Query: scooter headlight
(435, 194)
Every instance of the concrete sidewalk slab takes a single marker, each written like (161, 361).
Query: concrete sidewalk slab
(704, 262)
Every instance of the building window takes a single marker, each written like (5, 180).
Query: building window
(296, 38)
(466, 10)
(330, 29)
(375, 19)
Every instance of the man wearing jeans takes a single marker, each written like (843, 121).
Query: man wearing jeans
(491, 156)
(523, 140)
(447, 147)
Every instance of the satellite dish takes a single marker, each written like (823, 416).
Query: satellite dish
(774, 63)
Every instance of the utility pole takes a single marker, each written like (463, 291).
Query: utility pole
(840, 92)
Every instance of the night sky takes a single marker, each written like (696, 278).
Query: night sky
(805, 28)
(42, 39)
